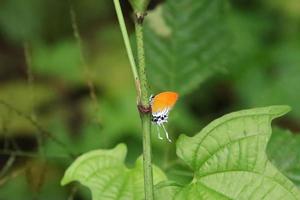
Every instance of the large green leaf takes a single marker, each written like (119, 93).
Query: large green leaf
(186, 41)
(283, 150)
(229, 160)
(105, 174)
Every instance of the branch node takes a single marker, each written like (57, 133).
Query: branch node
(140, 17)
(143, 109)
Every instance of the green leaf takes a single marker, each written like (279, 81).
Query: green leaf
(187, 41)
(166, 190)
(104, 173)
(229, 160)
(283, 150)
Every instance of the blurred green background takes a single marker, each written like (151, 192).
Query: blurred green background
(220, 56)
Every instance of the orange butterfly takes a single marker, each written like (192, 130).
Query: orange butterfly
(161, 105)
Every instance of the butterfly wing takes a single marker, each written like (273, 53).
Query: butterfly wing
(162, 103)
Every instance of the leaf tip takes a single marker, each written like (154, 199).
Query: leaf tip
(64, 181)
(121, 148)
(279, 110)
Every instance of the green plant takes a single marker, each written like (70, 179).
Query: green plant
(190, 41)
(228, 157)
(229, 160)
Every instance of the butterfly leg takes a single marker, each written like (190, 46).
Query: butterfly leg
(158, 133)
(166, 132)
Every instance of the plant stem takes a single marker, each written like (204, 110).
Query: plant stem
(145, 112)
(147, 164)
(127, 43)
(143, 94)
(142, 66)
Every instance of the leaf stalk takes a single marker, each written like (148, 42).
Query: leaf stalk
(127, 44)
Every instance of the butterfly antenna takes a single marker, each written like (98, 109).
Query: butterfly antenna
(158, 133)
(166, 132)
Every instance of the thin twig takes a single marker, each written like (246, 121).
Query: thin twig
(8, 164)
(40, 138)
(8, 140)
(30, 80)
(28, 61)
(38, 127)
(14, 144)
(86, 69)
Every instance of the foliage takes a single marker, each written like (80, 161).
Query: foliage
(256, 88)
(229, 160)
(18, 19)
(184, 52)
(266, 70)
(14, 94)
(104, 173)
(23, 185)
(57, 60)
(262, 47)
(283, 151)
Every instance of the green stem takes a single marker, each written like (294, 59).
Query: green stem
(142, 66)
(143, 94)
(147, 164)
(144, 112)
(127, 42)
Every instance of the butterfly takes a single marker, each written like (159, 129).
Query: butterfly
(161, 104)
